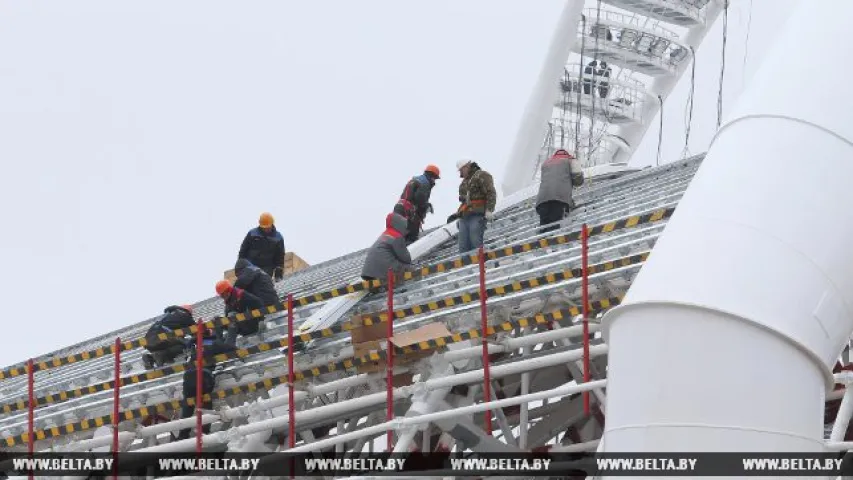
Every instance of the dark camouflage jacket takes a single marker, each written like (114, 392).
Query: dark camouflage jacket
(477, 192)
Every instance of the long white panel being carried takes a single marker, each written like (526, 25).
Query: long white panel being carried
(748, 292)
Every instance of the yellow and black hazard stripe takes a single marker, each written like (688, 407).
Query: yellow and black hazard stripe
(139, 342)
(441, 267)
(537, 321)
(513, 287)
(472, 259)
(323, 333)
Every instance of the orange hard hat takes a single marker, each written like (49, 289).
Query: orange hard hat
(223, 287)
(432, 169)
(266, 220)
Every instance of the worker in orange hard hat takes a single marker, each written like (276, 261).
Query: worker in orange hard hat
(414, 201)
(238, 300)
(264, 247)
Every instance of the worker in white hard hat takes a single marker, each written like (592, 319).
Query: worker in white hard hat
(477, 199)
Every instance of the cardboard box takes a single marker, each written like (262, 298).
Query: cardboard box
(292, 263)
(230, 276)
(366, 339)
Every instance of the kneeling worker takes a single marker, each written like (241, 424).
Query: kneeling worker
(238, 300)
(389, 251)
(164, 352)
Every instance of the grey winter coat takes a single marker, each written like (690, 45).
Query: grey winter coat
(559, 174)
(389, 250)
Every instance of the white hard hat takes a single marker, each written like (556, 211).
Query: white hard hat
(461, 163)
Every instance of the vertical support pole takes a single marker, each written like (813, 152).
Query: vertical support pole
(199, 382)
(585, 296)
(291, 407)
(389, 332)
(30, 411)
(291, 413)
(116, 396)
(484, 325)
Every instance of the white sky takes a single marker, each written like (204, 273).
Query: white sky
(140, 140)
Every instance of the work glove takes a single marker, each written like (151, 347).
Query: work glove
(429, 208)
(452, 218)
(490, 216)
(277, 274)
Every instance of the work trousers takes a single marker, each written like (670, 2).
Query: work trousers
(472, 227)
(550, 212)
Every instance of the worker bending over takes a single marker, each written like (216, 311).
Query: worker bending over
(414, 201)
(238, 300)
(211, 347)
(256, 281)
(559, 174)
(164, 352)
(389, 251)
(264, 247)
(477, 198)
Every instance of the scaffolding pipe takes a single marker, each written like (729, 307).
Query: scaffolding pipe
(484, 326)
(763, 279)
(229, 414)
(523, 415)
(199, 394)
(662, 86)
(389, 366)
(358, 403)
(116, 404)
(291, 405)
(403, 422)
(842, 418)
(585, 301)
(30, 411)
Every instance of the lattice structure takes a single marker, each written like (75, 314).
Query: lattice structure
(350, 398)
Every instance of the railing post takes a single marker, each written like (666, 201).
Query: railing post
(484, 325)
(116, 397)
(291, 407)
(389, 332)
(199, 363)
(30, 411)
(291, 414)
(585, 300)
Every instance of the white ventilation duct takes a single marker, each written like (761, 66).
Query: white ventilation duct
(748, 292)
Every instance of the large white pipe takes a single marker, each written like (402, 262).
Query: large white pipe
(399, 423)
(749, 290)
(632, 134)
(522, 159)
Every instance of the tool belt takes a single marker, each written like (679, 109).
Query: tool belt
(472, 203)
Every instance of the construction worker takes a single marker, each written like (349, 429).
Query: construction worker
(255, 281)
(389, 250)
(164, 352)
(560, 173)
(264, 247)
(238, 300)
(211, 347)
(477, 198)
(414, 201)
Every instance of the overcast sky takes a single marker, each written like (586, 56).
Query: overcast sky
(140, 140)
